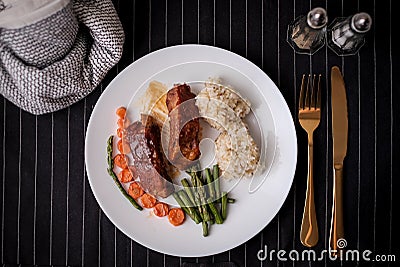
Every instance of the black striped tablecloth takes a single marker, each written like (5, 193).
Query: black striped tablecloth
(49, 215)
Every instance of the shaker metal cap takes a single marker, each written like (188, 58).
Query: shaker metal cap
(361, 22)
(317, 18)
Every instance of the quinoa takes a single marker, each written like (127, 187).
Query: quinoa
(224, 109)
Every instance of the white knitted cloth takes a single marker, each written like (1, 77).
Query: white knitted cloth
(56, 61)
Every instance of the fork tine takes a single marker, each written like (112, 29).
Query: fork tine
(319, 93)
(301, 97)
(307, 101)
(312, 104)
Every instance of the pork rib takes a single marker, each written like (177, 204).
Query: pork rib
(144, 139)
(183, 146)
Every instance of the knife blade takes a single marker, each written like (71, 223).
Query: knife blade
(339, 135)
(339, 116)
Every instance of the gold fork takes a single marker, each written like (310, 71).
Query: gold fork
(309, 118)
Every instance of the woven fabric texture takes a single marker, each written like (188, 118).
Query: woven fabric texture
(53, 63)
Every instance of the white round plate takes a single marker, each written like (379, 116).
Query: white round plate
(257, 200)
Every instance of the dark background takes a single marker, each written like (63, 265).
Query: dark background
(49, 215)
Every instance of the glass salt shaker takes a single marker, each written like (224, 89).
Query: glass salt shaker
(345, 36)
(306, 34)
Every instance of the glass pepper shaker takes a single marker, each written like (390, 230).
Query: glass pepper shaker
(306, 34)
(345, 36)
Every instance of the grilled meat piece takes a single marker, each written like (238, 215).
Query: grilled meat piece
(183, 147)
(144, 139)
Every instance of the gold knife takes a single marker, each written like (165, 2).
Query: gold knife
(339, 133)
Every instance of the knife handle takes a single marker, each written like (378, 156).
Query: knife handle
(337, 231)
(309, 227)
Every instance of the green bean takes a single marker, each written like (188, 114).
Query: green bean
(110, 171)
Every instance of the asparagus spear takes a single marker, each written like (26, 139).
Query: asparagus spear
(217, 216)
(224, 202)
(229, 200)
(186, 201)
(197, 196)
(205, 228)
(201, 199)
(110, 171)
(181, 204)
(201, 196)
(188, 189)
(209, 179)
(216, 180)
(196, 199)
(190, 210)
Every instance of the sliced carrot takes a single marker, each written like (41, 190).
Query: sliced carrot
(123, 147)
(121, 112)
(121, 161)
(161, 209)
(123, 123)
(135, 184)
(119, 132)
(120, 123)
(176, 216)
(148, 201)
(119, 146)
(135, 190)
(125, 175)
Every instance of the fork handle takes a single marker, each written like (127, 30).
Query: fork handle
(337, 228)
(309, 227)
